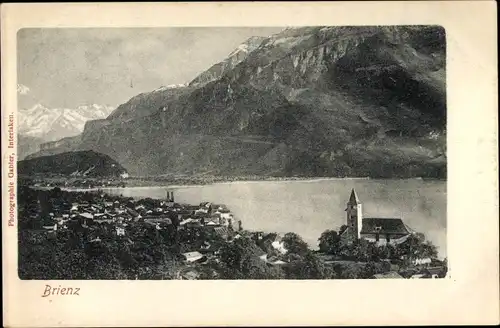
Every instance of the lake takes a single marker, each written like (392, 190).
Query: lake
(310, 207)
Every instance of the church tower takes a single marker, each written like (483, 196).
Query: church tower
(354, 215)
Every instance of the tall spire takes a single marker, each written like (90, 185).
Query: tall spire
(354, 198)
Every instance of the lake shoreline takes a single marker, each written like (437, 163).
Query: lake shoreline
(137, 183)
(309, 206)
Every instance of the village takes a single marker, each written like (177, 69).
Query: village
(198, 233)
(98, 214)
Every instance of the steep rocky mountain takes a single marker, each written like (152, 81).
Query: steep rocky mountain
(79, 163)
(312, 101)
(233, 59)
(51, 124)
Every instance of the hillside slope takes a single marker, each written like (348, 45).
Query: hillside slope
(80, 163)
(314, 101)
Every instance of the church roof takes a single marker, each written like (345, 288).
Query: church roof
(354, 198)
(384, 226)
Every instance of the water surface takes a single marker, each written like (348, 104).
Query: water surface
(310, 207)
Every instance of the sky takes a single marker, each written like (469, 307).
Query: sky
(70, 67)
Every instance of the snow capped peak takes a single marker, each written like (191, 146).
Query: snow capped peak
(249, 45)
(234, 58)
(94, 110)
(96, 106)
(56, 123)
(37, 107)
(171, 86)
(242, 47)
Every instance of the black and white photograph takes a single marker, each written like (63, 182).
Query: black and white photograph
(229, 153)
(249, 164)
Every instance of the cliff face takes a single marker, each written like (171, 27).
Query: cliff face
(327, 101)
(234, 58)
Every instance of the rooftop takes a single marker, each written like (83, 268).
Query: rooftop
(384, 226)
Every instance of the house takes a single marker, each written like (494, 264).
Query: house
(101, 216)
(96, 240)
(87, 215)
(201, 211)
(159, 219)
(423, 261)
(120, 230)
(225, 219)
(186, 221)
(157, 222)
(208, 248)
(194, 257)
(192, 224)
(219, 207)
(50, 227)
(222, 232)
(429, 273)
(101, 221)
(387, 275)
(435, 272)
(379, 230)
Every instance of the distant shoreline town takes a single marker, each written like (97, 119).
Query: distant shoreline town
(95, 183)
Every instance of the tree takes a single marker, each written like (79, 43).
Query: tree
(351, 271)
(255, 268)
(372, 268)
(329, 242)
(308, 266)
(294, 244)
(239, 260)
(416, 247)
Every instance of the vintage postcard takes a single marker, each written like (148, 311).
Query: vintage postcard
(249, 164)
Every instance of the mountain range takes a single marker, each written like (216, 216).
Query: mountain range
(39, 124)
(308, 101)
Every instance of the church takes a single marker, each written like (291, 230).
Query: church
(379, 230)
